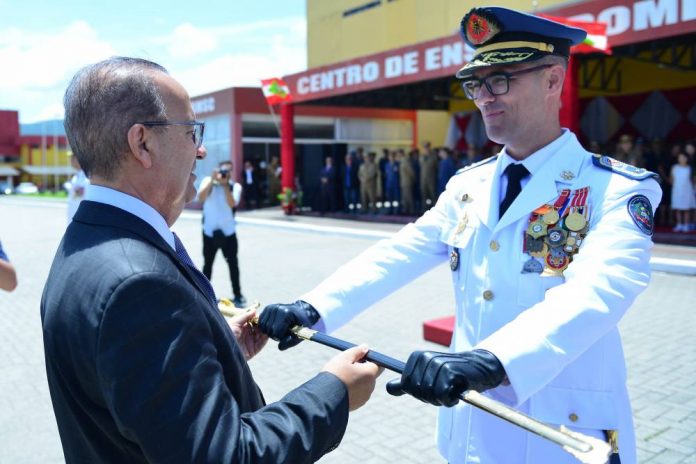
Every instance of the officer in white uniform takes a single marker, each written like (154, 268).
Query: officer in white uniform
(548, 245)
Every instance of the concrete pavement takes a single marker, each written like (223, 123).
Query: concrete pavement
(277, 264)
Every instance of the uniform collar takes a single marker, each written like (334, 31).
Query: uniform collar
(535, 162)
(553, 167)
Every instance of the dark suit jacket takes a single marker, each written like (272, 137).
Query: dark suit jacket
(143, 368)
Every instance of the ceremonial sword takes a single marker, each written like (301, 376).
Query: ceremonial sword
(588, 450)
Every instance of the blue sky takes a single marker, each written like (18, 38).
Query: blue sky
(207, 45)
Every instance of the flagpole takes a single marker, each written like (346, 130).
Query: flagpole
(276, 91)
(275, 120)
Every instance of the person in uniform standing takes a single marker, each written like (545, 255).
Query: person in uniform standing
(273, 171)
(446, 168)
(548, 247)
(428, 176)
(368, 174)
(351, 183)
(392, 193)
(407, 180)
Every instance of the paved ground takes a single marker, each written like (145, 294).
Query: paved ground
(278, 264)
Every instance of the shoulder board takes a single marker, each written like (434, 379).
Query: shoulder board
(475, 165)
(619, 167)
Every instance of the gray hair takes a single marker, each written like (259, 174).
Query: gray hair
(102, 102)
(554, 59)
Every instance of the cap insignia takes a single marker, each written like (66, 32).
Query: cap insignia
(480, 27)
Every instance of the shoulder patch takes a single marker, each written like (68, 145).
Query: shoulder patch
(641, 212)
(619, 167)
(475, 165)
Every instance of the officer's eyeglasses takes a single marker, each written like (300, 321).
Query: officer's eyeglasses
(196, 135)
(496, 83)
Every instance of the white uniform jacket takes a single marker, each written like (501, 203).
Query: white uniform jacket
(557, 337)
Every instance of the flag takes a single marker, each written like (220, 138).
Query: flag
(276, 91)
(596, 40)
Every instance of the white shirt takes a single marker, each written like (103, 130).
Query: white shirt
(533, 162)
(217, 214)
(133, 205)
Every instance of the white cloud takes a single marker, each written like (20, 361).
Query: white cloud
(202, 59)
(234, 70)
(42, 61)
(39, 66)
(251, 52)
(188, 41)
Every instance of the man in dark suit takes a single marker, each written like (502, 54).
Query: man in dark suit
(250, 186)
(141, 365)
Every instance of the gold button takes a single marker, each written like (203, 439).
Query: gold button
(495, 246)
(573, 417)
(488, 295)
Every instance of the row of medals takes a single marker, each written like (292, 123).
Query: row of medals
(553, 239)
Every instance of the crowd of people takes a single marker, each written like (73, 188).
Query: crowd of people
(397, 182)
(675, 163)
(401, 182)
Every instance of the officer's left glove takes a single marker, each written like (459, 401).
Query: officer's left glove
(440, 378)
(277, 319)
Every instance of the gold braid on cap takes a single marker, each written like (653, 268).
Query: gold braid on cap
(541, 46)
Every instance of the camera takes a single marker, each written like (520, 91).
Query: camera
(224, 173)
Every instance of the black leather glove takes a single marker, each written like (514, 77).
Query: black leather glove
(277, 319)
(439, 378)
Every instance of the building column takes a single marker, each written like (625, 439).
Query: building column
(570, 98)
(287, 145)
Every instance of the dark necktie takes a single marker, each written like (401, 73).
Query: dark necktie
(198, 275)
(515, 173)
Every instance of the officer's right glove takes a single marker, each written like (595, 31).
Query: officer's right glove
(440, 378)
(277, 319)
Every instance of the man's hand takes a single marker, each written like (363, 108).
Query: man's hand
(359, 377)
(249, 338)
(440, 378)
(277, 319)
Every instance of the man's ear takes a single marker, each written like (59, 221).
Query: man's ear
(139, 141)
(556, 77)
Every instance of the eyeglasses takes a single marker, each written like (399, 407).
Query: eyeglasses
(496, 83)
(196, 135)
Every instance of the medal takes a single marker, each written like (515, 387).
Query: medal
(556, 237)
(534, 245)
(537, 229)
(573, 243)
(549, 213)
(551, 217)
(557, 260)
(575, 221)
(454, 259)
(532, 266)
(542, 252)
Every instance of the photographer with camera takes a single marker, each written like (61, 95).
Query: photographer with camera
(220, 195)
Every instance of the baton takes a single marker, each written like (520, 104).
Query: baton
(588, 450)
